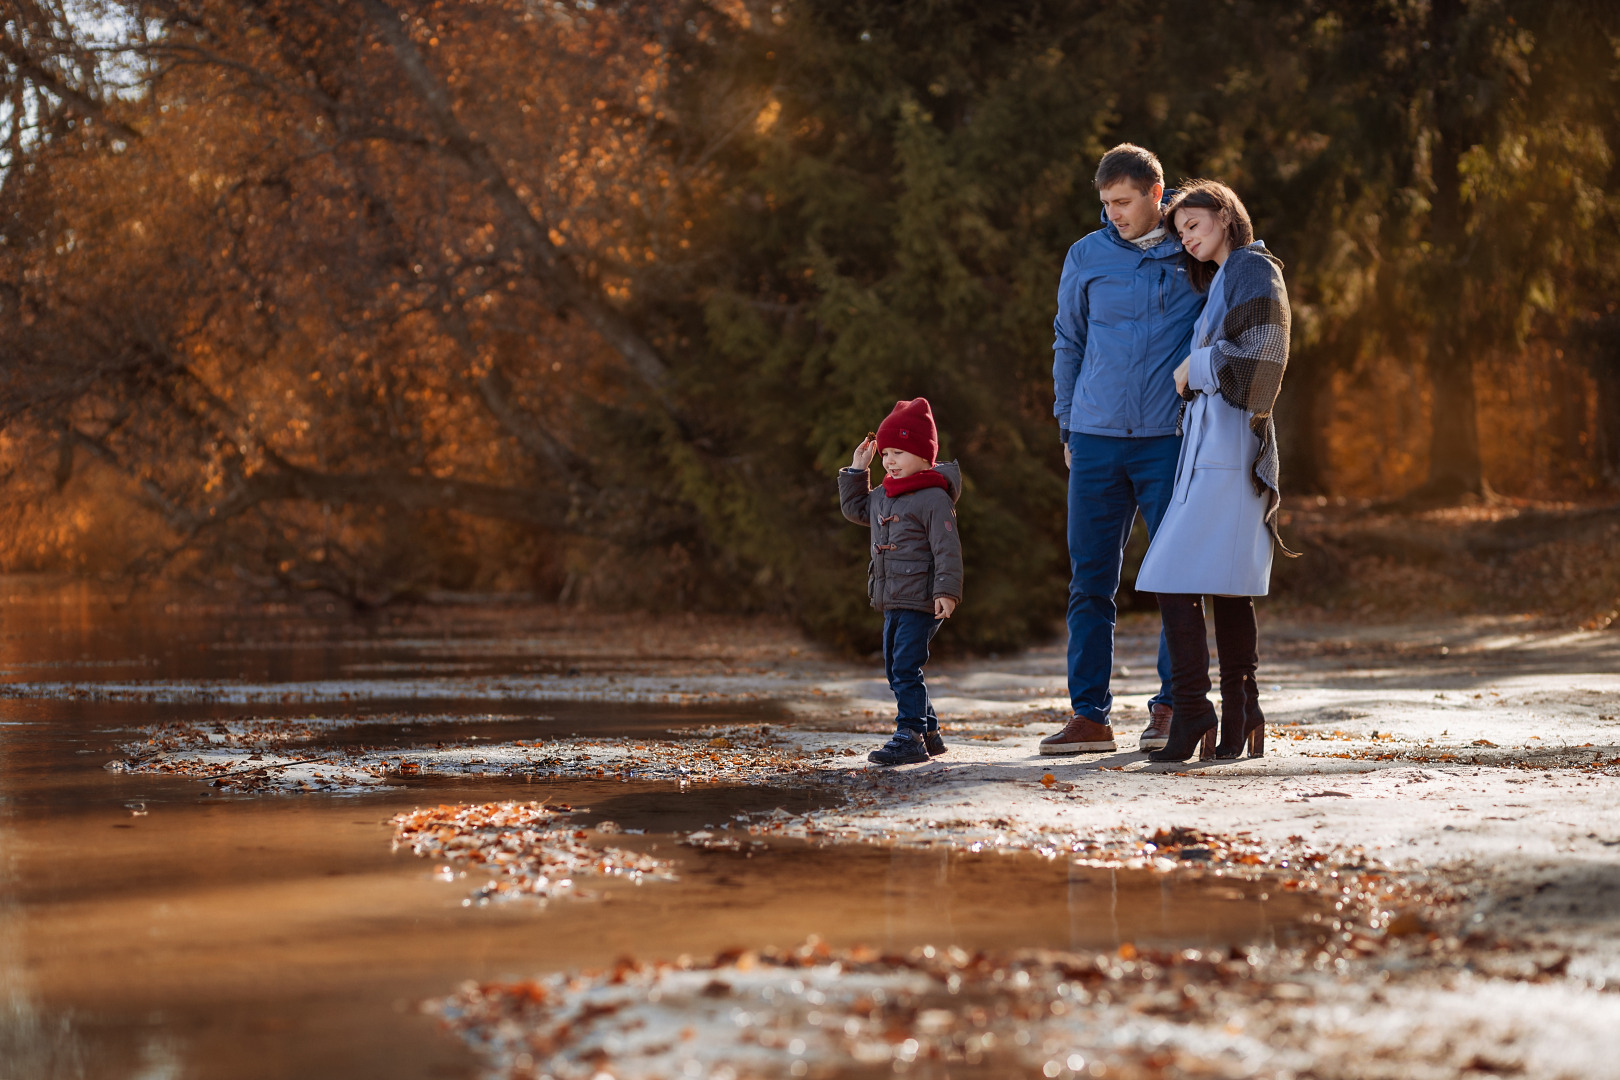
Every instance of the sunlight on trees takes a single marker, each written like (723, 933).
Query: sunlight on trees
(376, 298)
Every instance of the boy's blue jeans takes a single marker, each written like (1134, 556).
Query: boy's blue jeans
(906, 635)
(1109, 480)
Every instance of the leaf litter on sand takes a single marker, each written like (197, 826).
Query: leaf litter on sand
(268, 755)
(1134, 1012)
(260, 732)
(817, 1012)
(529, 849)
(255, 755)
(248, 755)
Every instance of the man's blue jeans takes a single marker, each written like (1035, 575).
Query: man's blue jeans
(1109, 480)
(906, 635)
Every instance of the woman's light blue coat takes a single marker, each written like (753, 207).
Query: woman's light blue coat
(1213, 539)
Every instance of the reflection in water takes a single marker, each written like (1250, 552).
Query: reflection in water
(160, 1060)
(1084, 909)
(917, 897)
(33, 1044)
(1113, 906)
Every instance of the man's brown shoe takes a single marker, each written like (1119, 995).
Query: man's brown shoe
(1080, 736)
(1157, 733)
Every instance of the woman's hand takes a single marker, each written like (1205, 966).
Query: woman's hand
(1181, 376)
(864, 453)
(943, 606)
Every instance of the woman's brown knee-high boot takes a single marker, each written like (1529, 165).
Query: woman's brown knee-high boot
(1193, 717)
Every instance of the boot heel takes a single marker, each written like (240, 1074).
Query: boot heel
(1206, 747)
(1186, 736)
(1257, 742)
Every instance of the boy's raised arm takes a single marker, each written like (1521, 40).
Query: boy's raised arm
(854, 494)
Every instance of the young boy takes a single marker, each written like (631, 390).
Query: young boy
(915, 577)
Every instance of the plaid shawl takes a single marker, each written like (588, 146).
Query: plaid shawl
(1251, 351)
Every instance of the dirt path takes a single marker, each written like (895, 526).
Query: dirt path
(1479, 758)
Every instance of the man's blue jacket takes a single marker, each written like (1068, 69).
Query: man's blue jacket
(1125, 320)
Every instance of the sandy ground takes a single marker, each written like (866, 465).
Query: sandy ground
(1476, 763)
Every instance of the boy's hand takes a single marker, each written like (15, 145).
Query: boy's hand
(864, 453)
(943, 606)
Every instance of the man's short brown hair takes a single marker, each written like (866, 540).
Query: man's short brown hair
(1129, 162)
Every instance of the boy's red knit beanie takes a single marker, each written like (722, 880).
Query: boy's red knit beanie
(910, 427)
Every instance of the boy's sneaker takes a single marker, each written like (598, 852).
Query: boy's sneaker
(905, 747)
(936, 745)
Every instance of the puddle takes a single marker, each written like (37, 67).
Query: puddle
(54, 632)
(149, 927)
(281, 937)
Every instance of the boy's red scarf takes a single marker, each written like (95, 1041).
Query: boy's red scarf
(928, 478)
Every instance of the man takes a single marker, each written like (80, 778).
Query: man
(1125, 318)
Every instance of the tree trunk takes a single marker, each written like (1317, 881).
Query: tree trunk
(1455, 469)
(1454, 465)
(1301, 426)
(1603, 360)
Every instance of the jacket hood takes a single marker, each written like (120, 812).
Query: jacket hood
(1164, 201)
(952, 472)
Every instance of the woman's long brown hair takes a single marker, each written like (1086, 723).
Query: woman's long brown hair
(1216, 196)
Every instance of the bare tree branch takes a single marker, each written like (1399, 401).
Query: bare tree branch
(534, 237)
(77, 99)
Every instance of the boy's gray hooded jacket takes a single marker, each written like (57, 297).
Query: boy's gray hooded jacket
(915, 546)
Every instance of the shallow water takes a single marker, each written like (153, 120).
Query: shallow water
(150, 928)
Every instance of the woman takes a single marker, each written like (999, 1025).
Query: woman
(1216, 538)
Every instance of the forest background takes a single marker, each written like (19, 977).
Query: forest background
(381, 298)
